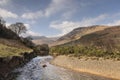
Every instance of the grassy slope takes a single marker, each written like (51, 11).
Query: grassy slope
(10, 47)
(108, 39)
(6, 50)
(78, 33)
(10, 43)
(105, 43)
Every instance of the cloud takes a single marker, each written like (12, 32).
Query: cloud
(8, 24)
(4, 2)
(67, 26)
(56, 6)
(32, 15)
(27, 26)
(7, 14)
(31, 33)
(68, 14)
(114, 23)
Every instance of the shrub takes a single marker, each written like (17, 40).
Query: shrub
(41, 49)
(78, 50)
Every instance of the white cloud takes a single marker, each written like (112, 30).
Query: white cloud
(7, 14)
(114, 23)
(8, 24)
(58, 5)
(54, 7)
(92, 21)
(32, 15)
(67, 26)
(27, 26)
(31, 33)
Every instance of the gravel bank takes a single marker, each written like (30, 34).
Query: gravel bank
(107, 68)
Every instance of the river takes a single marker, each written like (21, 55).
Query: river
(34, 70)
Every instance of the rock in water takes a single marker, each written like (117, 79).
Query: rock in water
(44, 66)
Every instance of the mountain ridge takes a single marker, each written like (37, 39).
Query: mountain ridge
(107, 39)
(43, 40)
(78, 33)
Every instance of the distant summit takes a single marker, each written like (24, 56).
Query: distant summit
(43, 39)
(37, 37)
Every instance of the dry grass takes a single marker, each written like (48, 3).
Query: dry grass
(6, 50)
(77, 34)
(10, 47)
(12, 43)
(107, 68)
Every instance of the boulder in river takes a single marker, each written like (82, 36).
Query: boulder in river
(44, 66)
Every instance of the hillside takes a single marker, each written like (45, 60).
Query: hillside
(104, 43)
(10, 43)
(43, 40)
(107, 39)
(78, 33)
(15, 52)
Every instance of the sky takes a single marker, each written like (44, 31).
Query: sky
(58, 17)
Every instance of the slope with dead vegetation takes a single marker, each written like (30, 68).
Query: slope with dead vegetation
(78, 33)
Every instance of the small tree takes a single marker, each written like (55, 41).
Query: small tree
(41, 50)
(18, 28)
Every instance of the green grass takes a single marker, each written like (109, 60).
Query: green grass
(11, 51)
(77, 51)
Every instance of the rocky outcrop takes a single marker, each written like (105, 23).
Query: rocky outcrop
(8, 64)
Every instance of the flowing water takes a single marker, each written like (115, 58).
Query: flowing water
(34, 70)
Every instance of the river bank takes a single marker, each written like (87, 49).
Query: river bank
(9, 63)
(34, 70)
(106, 68)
